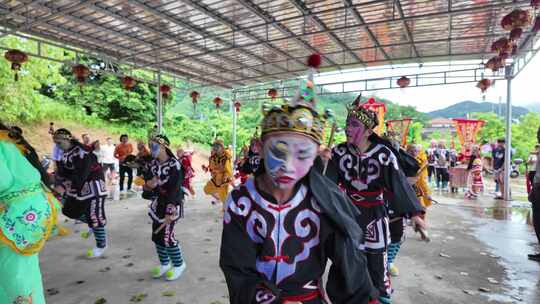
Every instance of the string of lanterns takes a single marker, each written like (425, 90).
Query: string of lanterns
(506, 47)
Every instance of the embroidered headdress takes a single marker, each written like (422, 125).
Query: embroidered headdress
(367, 117)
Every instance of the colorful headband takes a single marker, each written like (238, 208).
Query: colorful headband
(367, 117)
(161, 139)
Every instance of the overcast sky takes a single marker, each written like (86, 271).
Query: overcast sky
(425, 99)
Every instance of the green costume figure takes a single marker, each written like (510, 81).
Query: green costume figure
(27, 217)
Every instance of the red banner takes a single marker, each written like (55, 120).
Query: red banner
(467, 131)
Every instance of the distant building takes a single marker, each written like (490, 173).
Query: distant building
(440, 125)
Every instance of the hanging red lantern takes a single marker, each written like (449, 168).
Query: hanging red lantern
(495, 63)
(535, 3)
(128, 83)
(165, 90)
(17, 58)
(237, 106)
(81, 72)
(483, 84)
(218, 101)
(536, 26)
(403, 82)
(272, 93)
(503, 45)
(516, 33)
(516, 18)
(194, 96)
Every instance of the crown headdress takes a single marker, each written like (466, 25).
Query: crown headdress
(366, 116)
(300, 116)
(161, 139)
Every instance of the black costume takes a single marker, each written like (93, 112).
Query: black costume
(372, 180)
(85, 194)
(271, 253)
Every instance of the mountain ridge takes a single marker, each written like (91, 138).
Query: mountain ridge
(461, 109)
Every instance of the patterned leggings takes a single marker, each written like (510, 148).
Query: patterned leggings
(167, 246)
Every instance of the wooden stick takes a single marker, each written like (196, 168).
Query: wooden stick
(160, 228)
(330, 143)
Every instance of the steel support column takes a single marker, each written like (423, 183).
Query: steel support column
(159, 108)
(234, 122)
(509, 74)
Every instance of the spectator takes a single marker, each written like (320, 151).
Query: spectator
(86, 142)
(121, 152)
(442, 157)
(430, 152)
(108, 160)
(498, 167)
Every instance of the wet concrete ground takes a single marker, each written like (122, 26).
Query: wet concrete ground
(474, 246)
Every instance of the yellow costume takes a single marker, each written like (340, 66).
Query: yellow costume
(422, 189)
(221, 170)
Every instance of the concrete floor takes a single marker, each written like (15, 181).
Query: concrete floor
(471, 242)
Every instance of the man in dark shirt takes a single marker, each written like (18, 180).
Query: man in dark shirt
(498, 167)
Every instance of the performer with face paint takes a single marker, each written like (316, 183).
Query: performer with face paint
(371, 174)
(166, 208)
(83, 186)
(220, 167)
(287, 221)
(251, 162)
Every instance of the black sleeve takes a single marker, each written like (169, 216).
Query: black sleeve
(171, 190)
(399, 193)
(333, 166)
(237, 261)
(82, 164)
(348, 280)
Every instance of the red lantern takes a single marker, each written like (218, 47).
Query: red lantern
(516, 33)
(237, 106)
(194, 96)
(516, 18)
(483, 84)
(165, 90)
(501, 46)
(536, 26)
(17, 58)
(495, 63)
(403, 82)
(535, 3)
(80, 71)
(218, 101)
(128, 82)
(272, 93)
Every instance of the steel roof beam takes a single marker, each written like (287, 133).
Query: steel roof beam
(236, 28)
(190, 27)
(252, 7)
(100, 43)
(372, 23)
(408, 30)
(114, 33)
(405, 59)
(91, 52)
(360, 19)
(301, 6)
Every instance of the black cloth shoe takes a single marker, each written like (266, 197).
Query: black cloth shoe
(534, 257)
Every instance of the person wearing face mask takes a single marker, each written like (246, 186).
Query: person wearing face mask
(166, 208)
(283, 226)
(220, 168)
(84, 188)
(370, 172)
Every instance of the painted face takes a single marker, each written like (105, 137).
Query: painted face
(155, 149)
(288, 158)
(355, 131)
